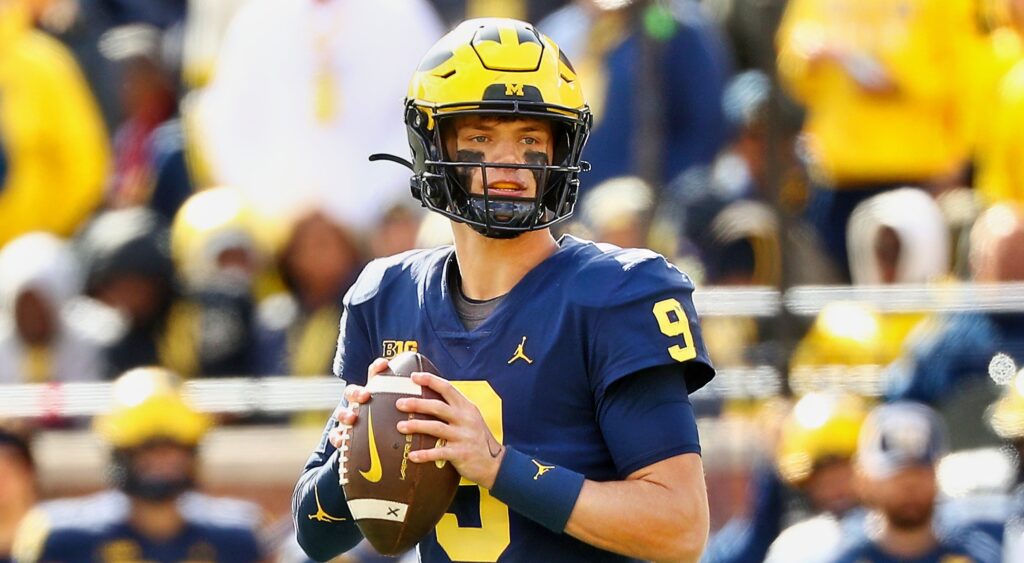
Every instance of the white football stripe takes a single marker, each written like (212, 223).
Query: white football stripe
(394, 384)
(377, 509)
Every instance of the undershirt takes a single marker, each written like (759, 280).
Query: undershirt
(471, 312)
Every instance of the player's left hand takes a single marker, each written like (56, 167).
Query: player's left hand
(468, 443)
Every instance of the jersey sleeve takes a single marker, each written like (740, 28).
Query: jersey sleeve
(645, 318)
(662, 421)
(324, 526)
(355, 353)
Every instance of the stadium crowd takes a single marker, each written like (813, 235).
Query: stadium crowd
(185, 189)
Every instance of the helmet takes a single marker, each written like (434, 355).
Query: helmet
(208, 223)
(820, 426)
(501, 67)
(149, 411)
(148, 406)
(899, 435)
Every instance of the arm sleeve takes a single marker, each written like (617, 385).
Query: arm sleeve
(657, 407)
(324, 526)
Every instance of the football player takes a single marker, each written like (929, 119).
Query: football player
(816, 446)
(154, 515)
(898, 451)
(567, 363)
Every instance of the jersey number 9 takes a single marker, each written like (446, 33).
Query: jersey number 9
(673, 323)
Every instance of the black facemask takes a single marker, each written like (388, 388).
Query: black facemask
(124, 476)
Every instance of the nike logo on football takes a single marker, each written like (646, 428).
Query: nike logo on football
(321, 515)
(541, 469)
(375, 472)
(520, 354)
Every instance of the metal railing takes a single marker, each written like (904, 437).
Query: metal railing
(289, 394)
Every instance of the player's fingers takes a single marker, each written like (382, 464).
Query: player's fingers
(347, 416)
(432, 407)
(336, 436)
(378, 365)
(339, 409)
(432, 454)
(448, 391)
(356, 394)
(434, 428)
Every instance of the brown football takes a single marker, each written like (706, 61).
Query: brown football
(395, 502)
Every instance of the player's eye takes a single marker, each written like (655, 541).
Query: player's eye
(478, 138)
(530, 140)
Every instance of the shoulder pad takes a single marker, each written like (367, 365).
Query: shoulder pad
(94, 512)
(65, 523)
(382, 271)
(607, 274)
(220, 512)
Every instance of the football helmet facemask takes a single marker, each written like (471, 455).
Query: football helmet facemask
(500, 68)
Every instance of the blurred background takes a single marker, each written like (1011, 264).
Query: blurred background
(184, 183)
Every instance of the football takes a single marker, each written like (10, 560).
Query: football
(394, 501)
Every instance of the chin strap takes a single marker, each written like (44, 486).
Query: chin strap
(392, 158)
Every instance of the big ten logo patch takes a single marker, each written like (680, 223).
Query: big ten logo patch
(393, 348)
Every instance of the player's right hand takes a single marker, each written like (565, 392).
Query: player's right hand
(354, 395)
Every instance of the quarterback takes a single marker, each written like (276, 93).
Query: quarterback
(567, 364)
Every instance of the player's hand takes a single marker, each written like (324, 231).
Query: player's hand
(467, 442)
(355, 395)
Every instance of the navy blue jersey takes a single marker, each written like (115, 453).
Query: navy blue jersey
(539, 369)
(96, 529)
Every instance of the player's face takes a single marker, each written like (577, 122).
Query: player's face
(830, 487)
(505, 141)
(907, 498)
(164, 462)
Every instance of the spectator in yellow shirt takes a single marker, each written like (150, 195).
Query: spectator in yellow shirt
(882, 84)
(56, 146)
(1001, 159)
